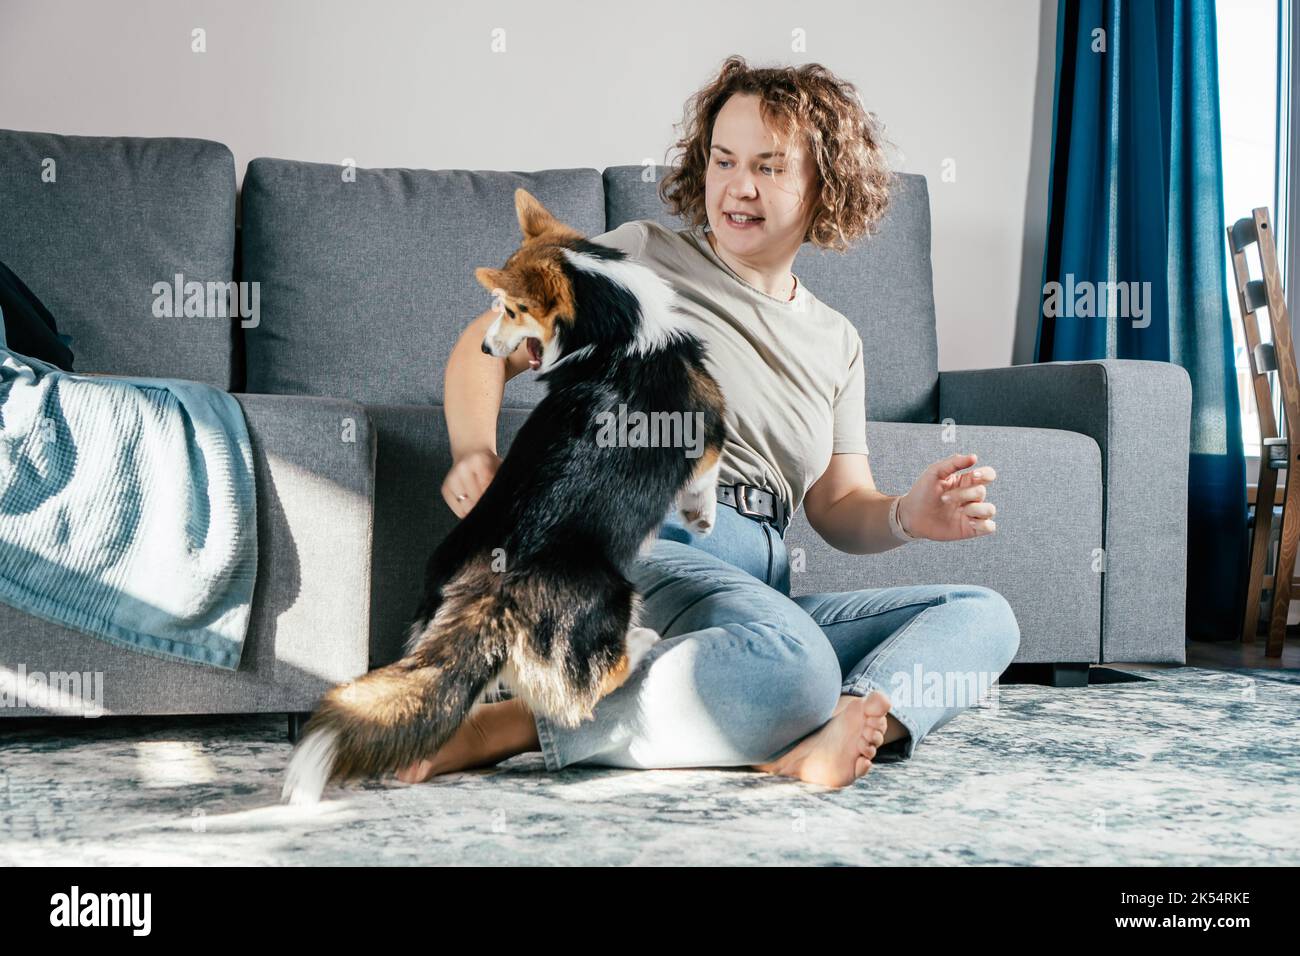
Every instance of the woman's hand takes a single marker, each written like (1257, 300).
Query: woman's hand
(946, 506)
(468, 478)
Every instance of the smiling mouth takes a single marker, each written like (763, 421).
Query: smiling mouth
(534, 352)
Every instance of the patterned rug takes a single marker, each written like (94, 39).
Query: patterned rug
(1191, 767)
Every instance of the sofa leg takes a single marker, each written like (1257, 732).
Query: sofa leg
(1067, 675)
(1049, 675)
(296, 723)
(1070, 675)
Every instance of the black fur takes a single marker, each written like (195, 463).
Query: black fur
(569, 516)
(561, 500)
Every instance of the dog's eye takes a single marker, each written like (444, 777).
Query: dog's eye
(523, 308)
(510, 312)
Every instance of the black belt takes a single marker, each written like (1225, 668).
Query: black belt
(754, 502)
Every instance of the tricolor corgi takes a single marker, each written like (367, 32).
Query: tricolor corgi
(529, 589)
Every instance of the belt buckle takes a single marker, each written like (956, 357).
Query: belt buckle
(742, 505)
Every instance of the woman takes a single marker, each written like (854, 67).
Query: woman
(744, 674)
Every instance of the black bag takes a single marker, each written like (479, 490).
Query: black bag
(29, 327)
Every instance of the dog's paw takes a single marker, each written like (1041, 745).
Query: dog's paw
(699, 520)
(639, 642)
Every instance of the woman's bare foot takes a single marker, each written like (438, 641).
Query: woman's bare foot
(841, 750)
(489, 734)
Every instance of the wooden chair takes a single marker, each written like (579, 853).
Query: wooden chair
(1275, 454)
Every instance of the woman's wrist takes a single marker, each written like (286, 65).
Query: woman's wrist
(895, 521)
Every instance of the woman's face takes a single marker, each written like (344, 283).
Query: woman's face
(743, 176)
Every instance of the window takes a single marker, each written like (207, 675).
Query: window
(1254, 49)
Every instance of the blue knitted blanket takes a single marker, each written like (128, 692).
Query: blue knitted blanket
(127, 509)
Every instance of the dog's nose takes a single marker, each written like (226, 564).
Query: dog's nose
(486, 350)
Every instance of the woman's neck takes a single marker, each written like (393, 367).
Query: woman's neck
(779, 283)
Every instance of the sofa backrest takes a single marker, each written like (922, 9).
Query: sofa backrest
(93, 223)
(367, 275)
(883, 285)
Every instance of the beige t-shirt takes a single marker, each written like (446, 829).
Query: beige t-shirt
(791, 371)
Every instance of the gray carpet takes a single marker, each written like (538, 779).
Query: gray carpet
(1194, 767)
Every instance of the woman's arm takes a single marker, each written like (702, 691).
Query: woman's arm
(844, 507)
(472, 391)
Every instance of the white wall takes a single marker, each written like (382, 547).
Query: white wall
(415, 83)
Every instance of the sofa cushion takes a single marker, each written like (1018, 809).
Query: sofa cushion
(883, 285)
(367, 284)
(93, 223)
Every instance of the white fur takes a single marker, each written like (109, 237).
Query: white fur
(504, 680)
(552, 348)
(310, 767)
(649, 543)
(639, 642)
(502, 341)
(638, 608)
(698, 501)
(660, 319)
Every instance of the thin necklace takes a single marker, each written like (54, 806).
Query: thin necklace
(793, 289)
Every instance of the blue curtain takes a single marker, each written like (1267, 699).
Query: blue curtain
(1136, 197)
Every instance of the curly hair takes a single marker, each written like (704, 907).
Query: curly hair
(844, 141)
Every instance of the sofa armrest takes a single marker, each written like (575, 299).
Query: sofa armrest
(1139, 413)
(314, 460)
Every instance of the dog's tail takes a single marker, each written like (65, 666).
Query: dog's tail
(396, 715)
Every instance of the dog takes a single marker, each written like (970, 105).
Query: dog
(529, 589)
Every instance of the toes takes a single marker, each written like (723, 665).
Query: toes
(874, 715)
(861, 767)
(876, 704)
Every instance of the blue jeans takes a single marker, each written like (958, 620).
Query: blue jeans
(743, 671)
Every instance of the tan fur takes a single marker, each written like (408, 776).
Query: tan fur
(616, 677)
(534, 275)
(707, 460)
(373, 716)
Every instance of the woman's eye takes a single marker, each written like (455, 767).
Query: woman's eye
(768, 169)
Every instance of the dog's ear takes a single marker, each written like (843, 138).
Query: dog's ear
(534, 219)
(489, 279)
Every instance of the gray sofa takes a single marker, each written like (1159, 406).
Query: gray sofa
(365, 284)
